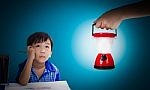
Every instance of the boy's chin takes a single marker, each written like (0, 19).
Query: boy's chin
(41, 60)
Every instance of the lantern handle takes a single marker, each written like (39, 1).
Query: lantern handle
(116, 32)
(93, 29)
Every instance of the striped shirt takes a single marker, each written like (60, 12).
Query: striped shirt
(50, 74)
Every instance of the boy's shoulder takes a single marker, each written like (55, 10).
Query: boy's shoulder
(50, 66)
(22, 64)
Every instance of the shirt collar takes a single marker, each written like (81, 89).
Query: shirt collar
(49, 66)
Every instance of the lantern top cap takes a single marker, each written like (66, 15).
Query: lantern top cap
(111, 35)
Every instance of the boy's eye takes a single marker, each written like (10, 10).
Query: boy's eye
(37, 46)
(47, 46)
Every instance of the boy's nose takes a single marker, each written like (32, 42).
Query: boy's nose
(42, 50)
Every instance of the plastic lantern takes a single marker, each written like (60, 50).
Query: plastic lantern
(104, 41)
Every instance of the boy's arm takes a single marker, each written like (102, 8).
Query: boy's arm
(20, 68)
(25, 74)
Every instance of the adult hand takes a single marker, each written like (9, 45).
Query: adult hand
(109, 20)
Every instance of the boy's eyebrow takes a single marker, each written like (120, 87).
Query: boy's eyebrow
(47, 43)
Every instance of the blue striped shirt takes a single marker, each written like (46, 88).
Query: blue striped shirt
(50, 74)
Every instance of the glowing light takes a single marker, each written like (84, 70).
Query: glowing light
(104, 45)
(84, 46)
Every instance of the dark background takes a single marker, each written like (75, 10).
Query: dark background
(61, 18)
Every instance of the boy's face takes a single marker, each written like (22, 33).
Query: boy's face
(42, 51)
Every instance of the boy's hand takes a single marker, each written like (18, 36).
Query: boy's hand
(31, 52)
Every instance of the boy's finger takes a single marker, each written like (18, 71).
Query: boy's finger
(29, 47)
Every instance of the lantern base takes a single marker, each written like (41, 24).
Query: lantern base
(104, 67)
(104, 61)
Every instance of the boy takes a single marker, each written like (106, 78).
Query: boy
(37, 68)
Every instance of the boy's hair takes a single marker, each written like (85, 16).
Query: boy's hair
(39, 37)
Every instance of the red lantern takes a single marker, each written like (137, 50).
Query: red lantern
(104, 41)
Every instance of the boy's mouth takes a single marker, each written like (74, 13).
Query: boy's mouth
(42, 56)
